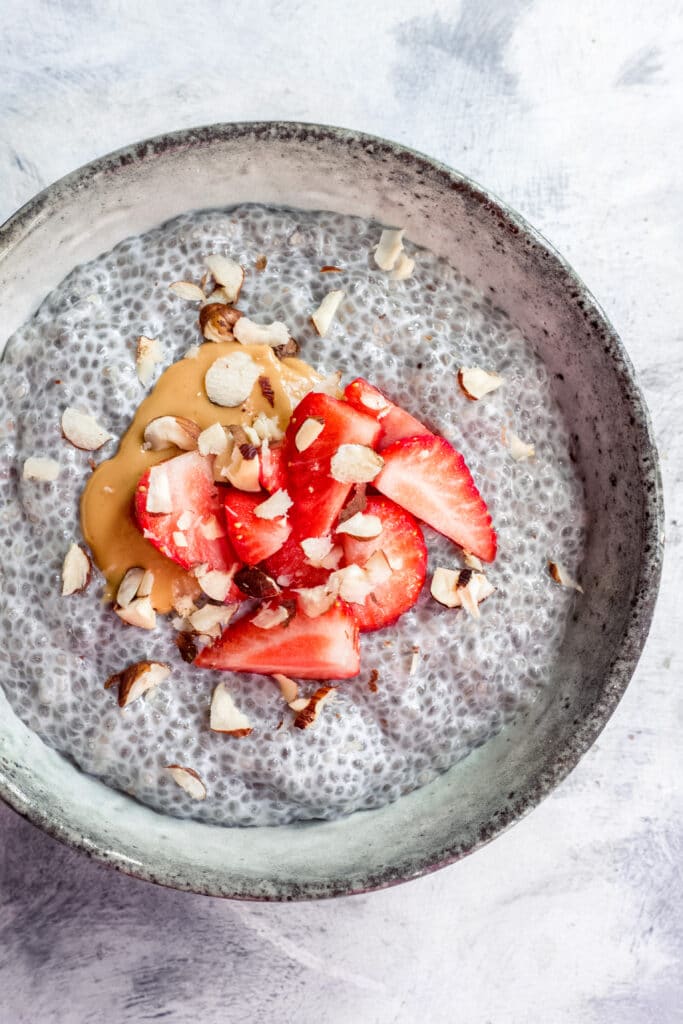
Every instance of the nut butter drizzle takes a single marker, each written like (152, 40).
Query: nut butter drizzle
(108, 527)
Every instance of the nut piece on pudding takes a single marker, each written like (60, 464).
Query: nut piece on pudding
(461, 588)
(136, 680)
(188, 779)
(475, 382)
(76, 571)
(225, 716)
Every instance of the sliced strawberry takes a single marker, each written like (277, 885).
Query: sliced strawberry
(395, 421)
(252, 538)
(318, 499)
(404, 548)
(428, 477)
(289, 564)
(273, 468)
(198, 504)
(327, 647)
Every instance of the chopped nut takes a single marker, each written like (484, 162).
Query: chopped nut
(389, 248)
(228, 274)
(561, 576)
(147, 354)
(249, 333)
(267, 428)
(256, 583)
(315, 601)
(354, 584)
(225, 716)
(137, 680)
(217, 320)
(362, 526)
(358, 503)
(307, 433)
(307, 709)
(288, 688)
(471, 561)
(355, 464)
(268, 617)
(179, 539)
(274, 507)
(261, 262)
(230, 379)
(520, 449)
(464, 588)
(83, 431)
(129, 587)
(138, 613)
(326, 312)
(187, 779)
(475, 383)
(327, 269)
(377, 569)
(186, 646)
(212, 618)
(317, 550)
(213, 440)
(38, 468)
(403, 268)
(171, 432)
(267, 390)
(243, 472)
(187, 290)
(146, 584)
(216, 584)
(185, 520)
(159, 498)
(75, 571)
(211, 528)
(414, 661)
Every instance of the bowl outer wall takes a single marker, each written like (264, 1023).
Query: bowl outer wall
(318, 167)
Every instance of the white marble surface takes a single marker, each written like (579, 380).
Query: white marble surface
(573, 114)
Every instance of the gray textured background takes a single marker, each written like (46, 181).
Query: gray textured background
(572, 112)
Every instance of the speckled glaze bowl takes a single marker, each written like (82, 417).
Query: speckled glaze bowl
(316, 167)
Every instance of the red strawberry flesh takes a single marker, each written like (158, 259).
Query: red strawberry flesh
(290, 566)
(318, 498)
(429, 478)
(404, 548)
(395, 422)
(273, 471)
(326, 647)
(252, 538)
(193, 491)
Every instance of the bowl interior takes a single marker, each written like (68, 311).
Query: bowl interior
(321, 168)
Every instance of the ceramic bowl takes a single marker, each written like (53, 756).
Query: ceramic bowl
(316, 167)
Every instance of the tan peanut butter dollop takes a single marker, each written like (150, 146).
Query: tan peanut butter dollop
(107, 521)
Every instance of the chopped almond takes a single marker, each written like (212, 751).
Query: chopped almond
(215, 584)
(211, 528)
(213, 440)
(288, 688)
(389, 248)
(460, 588)
(274, 507)
(187, 779)
(36, 467)
(187, 290)
(228, 274)
(561, 576)
(326, 312)
(353, 582)
(403, 268)
(171, 432)
(377, 569)
(75, 571)
(315, 601)
(137, 680)
(267, 428)
(307, 709)
(471, 561)
(146, 584)
(268, 618)
(254, 582)
(129, 587)
(148, 354)
(362, 526)
(355, 464)
(138, 613)
(476, 383)
(225, 716)
(83, 430)
(217, 319)
(321, 552)
(230, 379)
(520, 449)
(212, 618)
(242, 472)
(249, 333)
(309, 430)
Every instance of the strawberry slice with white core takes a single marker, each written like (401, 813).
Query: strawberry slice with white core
(252, 537)
(326, 647)
(318, 499)
(429, 478)
(191, 528)
(403, 546)
(272, 471)
(395, 422)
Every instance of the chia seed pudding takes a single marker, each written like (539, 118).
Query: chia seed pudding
(434, 686)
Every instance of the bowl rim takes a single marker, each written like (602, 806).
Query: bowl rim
(650, 568)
